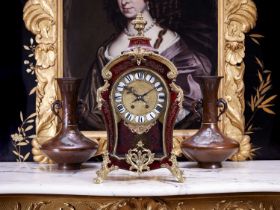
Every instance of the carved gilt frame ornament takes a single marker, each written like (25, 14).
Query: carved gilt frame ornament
(236, 17)
(259, 201)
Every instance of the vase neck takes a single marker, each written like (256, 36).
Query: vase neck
(69, 88)
(209, 87)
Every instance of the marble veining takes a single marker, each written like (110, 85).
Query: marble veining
(33, 178)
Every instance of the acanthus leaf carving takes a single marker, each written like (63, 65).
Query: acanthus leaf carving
(240, 17)
(40, 18)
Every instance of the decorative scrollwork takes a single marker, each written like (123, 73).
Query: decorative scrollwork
(40, 18)
(177, 203)
(139, 158)
(138, 55)
(240, 205)
(100, 90)
(140, 129)
(105, 169)
(33, 206)
(240, 17)
(180, 92)
(135, 203)
(174, 168)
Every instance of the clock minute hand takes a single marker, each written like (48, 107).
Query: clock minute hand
(147, 92)
(138, 97)
(141, 97)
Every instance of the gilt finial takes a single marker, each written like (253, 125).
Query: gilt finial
(139, 24)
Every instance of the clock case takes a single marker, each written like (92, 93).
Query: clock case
(142, 147)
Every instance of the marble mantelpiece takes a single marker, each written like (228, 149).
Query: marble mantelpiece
(251, 185)
(32, 178)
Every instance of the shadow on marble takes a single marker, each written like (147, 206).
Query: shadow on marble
(54, 168)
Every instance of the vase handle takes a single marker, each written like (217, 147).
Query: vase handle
(56, 105)
(196, 106)
(222, 104)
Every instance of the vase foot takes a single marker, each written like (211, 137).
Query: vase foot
(67, 166)
(210, 165)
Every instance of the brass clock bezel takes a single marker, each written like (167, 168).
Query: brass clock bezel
(158, 77)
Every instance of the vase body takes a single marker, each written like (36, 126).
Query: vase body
(209, 147)
(69, 148)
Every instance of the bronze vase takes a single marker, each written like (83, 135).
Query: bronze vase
(69, 148)
(209, 147)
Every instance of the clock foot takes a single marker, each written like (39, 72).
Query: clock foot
(174, 168)
(105, 170)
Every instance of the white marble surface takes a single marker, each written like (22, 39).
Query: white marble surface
(32, 178)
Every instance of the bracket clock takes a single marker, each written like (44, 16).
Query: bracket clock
(139, 101)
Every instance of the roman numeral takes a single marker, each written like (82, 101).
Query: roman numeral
(150, 78)
(129, 116)
(118, 97)
(121, 108)
(140, 119)
(140, 75)
(129, 78)
(158, 108)
(161, 97)
(158, 86)
(151, 116)
(120, 86)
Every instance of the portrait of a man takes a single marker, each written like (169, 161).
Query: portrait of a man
(183, 31)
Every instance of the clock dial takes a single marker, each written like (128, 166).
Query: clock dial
(139, 97)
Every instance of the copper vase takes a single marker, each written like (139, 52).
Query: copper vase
(209, 147)
(69, 148)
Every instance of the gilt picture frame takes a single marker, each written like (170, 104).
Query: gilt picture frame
(44, 18)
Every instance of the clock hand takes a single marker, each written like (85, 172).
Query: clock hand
(148, 92)
(139, 98)
(131, 90)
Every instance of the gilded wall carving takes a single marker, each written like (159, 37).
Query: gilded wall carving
(199, 202)
(240, 17)
(43, 18)
(40, 17)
